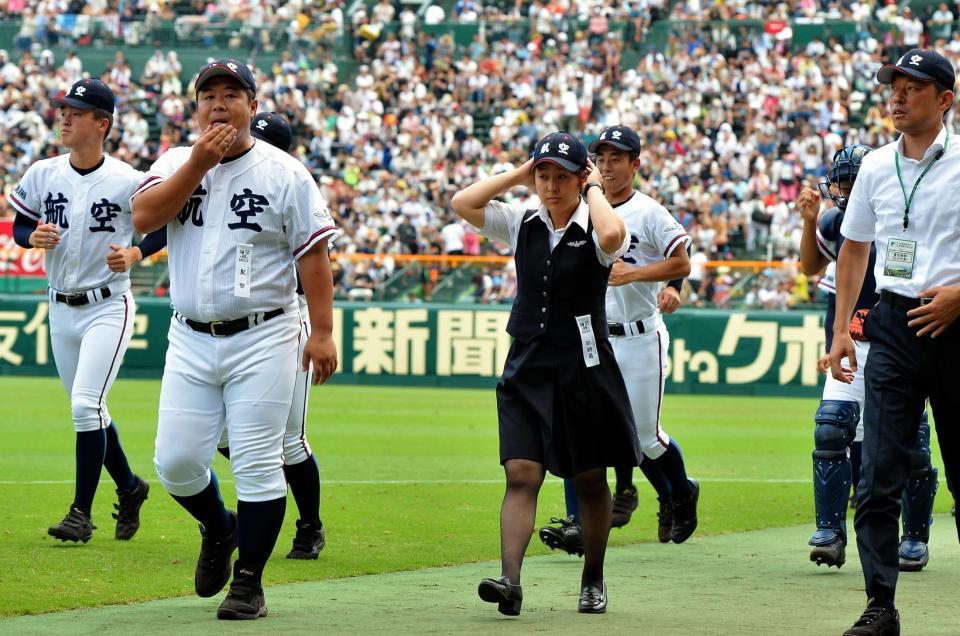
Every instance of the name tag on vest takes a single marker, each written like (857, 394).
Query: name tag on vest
(591, 357)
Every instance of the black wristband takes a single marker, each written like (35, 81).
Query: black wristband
(587, 187)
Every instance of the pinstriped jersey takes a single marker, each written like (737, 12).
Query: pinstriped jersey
(90, 211)
(654, 234)
(258, 214)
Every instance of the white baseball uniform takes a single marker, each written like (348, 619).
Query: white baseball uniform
(835, 389)
(90, 211)
(232, 251)
(642, 352)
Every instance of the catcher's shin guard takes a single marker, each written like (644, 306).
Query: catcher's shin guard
(836, 425)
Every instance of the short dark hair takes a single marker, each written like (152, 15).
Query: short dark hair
(98, 114)
(940, 88)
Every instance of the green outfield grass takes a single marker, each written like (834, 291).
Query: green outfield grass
(411, 480)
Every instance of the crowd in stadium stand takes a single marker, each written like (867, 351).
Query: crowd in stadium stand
(733, 121)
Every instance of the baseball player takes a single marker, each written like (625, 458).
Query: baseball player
(838, 433)
(299, 463)
(238, 214)
(76, 207)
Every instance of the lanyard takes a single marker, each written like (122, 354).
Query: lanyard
(908, 200)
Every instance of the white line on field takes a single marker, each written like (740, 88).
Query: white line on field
(414, 482)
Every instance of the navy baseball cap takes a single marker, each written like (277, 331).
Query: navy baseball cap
(88, 94)
(922, 64)
(273, 129)
(620, 137)
(563, 149)
(227, 67)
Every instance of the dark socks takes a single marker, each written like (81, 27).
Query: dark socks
(260, 523)
(570, 497)
(91, 446)
(671, 465)
(304, 480)
(115, 461)
(656, 478)
(856, 458)
(207, 507)
(624, 477)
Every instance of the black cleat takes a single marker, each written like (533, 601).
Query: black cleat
(624, 503)
(593, 600)
(914, 554)
(830, 554)
(244, 600)
(567, 537)
(685, 515)
(128, 509)
(76, 526)
(665, 520)
(308, 541)
(876, 621)
(506, 595)
(213, 565)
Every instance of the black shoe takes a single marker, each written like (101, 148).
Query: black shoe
(624, 503)
(308, 541)
(76, 526)
(876, 621)
(213, 566)
(831, 553)
(567, 537)
(593, 599)
(244, 600)
(128, 509)
(665, 520)
(509, 597)
(685, 515)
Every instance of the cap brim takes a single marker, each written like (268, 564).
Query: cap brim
(72, 103)
(596, 143)
(886, 74)
(566, 164)
(219, 71)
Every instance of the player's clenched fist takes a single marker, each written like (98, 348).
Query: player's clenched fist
(121, 259)
(321, 352)
(809, 205)
(212, 145)
(46, 236)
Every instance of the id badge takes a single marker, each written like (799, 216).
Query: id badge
(900, 256)
(241, 271)
(591, 357)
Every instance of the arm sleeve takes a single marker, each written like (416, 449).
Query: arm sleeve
(501, 222)
(23, 227)
(25, 197)
(860, 219)
(664, 232)
(609, 259)
(153, 242)
(306, 214)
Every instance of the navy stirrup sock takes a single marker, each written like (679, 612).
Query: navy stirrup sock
(115, 461)
(207, 507)
(304, 480)
(90, 449)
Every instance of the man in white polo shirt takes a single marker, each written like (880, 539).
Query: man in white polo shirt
(904, 201)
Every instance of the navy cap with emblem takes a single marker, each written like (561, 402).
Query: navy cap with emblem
(922, 64)
(227, 67)
(88, 94)
(563, 149)
(620, 137)
(273, 129)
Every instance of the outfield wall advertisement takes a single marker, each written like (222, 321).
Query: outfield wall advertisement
(711, 351)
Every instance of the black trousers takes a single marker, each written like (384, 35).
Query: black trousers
(902, 371)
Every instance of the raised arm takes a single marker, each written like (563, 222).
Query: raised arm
(611, 232)
(470, 202)
(812, 261)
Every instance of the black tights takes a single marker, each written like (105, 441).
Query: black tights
(519, 510)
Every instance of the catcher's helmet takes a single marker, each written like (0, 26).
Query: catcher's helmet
(846, 165)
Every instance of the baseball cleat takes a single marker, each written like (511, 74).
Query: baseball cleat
(128, 509)
(664, 520)
(914, 555)
(876, 621)
(213, 565)
(829, 548)
(685, 515)
(244, 600)
(593, 599)
(76, 526)
(624, 503)
(506, 595)
(567, 537)
(309, 540)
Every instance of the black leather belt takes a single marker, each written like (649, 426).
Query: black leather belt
(222, 328)
(81, 298)
(618, 329)
(905, 302)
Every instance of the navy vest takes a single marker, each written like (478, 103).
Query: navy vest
(553, 288)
